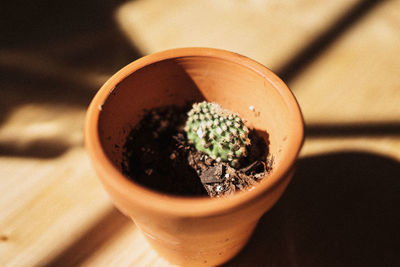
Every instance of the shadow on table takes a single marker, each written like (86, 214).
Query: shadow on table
(340, 210)
(41, 148)
(322, 42)
(92, 240)
(354, 129)
(58, 52)
(55, 53)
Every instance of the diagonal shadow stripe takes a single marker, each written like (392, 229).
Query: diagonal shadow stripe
(309, 53)
(353, 129)
(112, 223)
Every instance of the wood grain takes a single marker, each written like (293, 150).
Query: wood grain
(340, 58)
(268, 31)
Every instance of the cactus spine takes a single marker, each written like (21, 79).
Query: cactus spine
(217, 132)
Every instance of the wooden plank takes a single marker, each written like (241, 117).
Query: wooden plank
(50, 196)
(54, 211)
(268, 31)
(49, 204)
(353, 88)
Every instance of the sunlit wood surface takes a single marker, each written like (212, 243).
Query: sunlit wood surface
(340, 58)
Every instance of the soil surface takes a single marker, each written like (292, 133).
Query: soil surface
(158, 155)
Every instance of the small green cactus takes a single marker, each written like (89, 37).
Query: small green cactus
(217, 132)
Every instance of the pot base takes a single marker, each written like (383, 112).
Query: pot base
(205, 250)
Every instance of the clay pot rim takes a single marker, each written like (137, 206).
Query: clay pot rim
(178, 205)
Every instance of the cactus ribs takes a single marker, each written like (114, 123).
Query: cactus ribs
(217, 132)
(167, 152)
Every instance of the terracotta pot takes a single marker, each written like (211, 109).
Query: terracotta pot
(194, 231)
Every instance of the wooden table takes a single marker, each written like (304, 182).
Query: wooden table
(340, 58)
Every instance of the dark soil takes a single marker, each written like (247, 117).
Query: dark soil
(157, 155)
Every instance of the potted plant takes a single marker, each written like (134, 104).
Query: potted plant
(194, 231)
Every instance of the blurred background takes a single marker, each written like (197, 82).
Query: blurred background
(340, 58)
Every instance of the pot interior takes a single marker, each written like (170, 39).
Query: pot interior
(258, 97)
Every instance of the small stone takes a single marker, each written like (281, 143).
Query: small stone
(235, 163)
(164, 123)
(218, 188)
(251, 108)
(211, 175)
(208, 161)
(148, 171)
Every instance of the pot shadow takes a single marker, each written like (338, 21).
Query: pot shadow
(340, 209)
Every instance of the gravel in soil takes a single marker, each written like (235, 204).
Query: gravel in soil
(157, 155)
